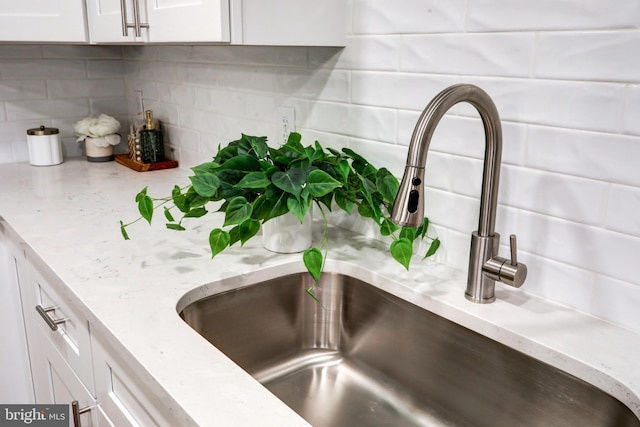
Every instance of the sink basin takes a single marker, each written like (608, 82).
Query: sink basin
(368, 358)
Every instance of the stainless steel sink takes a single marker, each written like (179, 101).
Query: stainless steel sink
(369, 358)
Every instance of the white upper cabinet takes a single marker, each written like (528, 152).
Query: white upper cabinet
(289, 22)
(158, 21)
(243, 22)
(248, 22)
(60, 21)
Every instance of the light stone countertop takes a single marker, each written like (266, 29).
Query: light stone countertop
(68, 216)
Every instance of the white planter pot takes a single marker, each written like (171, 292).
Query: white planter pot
(96, 152)
(285, 234)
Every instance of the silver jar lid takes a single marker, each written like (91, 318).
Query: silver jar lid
(42, 131)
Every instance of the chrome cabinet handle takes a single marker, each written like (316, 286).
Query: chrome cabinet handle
(123, 15)
(136, 25)
(76, 411)
(44, 313)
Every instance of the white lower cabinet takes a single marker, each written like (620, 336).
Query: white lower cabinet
(70, 364)
(15, 374)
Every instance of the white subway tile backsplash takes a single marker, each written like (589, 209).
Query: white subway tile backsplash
(577, 199)
(623, 210)
(569, 104)
(47, 108)
(591, 248)
(109, 105)
(505, 54)
(377, 124)
(604, 56)
(522, 15)
(17, 90)
(617, 301)
(631, 113)
(368, 53)
(408, 16)
(451, 210)
(20, 51)
(82, 51)
(57, 89)
(395, 90)
(104, 69)
(601, 156)
(43, 69)
(563, 283)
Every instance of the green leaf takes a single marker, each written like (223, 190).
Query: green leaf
(142, 193)
(259, 146)
(218, 241)
(242, 163)
(247, 229)
(208, 167)
(321, 183)
(237, 211)
(387, 185)
(167, 214)
(409, 232)
(123, 231)
(177, 227)
(255, 180)
(293, 141)
(145, 207)
(313, 260)
(196, 213)
(205, 184)
(180, 200)
(290, 181)
(343, 169)
(355, 156)
(401, 251)
(344, 203)
(298, 207)
(234, 235)
(387, 227)
(435, 244)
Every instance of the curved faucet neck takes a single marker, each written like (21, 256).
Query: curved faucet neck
(426, 126)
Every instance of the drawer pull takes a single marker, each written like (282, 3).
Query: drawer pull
(76, 411)
(44, 312)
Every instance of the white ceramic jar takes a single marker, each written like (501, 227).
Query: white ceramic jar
(44, 146)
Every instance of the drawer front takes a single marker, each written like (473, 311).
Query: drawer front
(63, 326)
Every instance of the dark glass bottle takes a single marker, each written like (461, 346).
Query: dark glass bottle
(151, 145)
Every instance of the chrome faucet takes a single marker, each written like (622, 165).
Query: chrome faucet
(485, 266)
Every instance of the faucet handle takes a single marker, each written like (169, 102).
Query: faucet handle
(514, 250)
(510, 272)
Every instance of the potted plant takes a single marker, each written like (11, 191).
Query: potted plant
(257, 183)
(99, 135)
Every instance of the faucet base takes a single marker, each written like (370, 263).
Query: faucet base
(480, 287)
(479, 300)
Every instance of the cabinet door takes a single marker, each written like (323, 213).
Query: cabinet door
(123, 398)
(42, 21)
(188, 20)
(114, 21)
(55, 382)
(15, 372)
